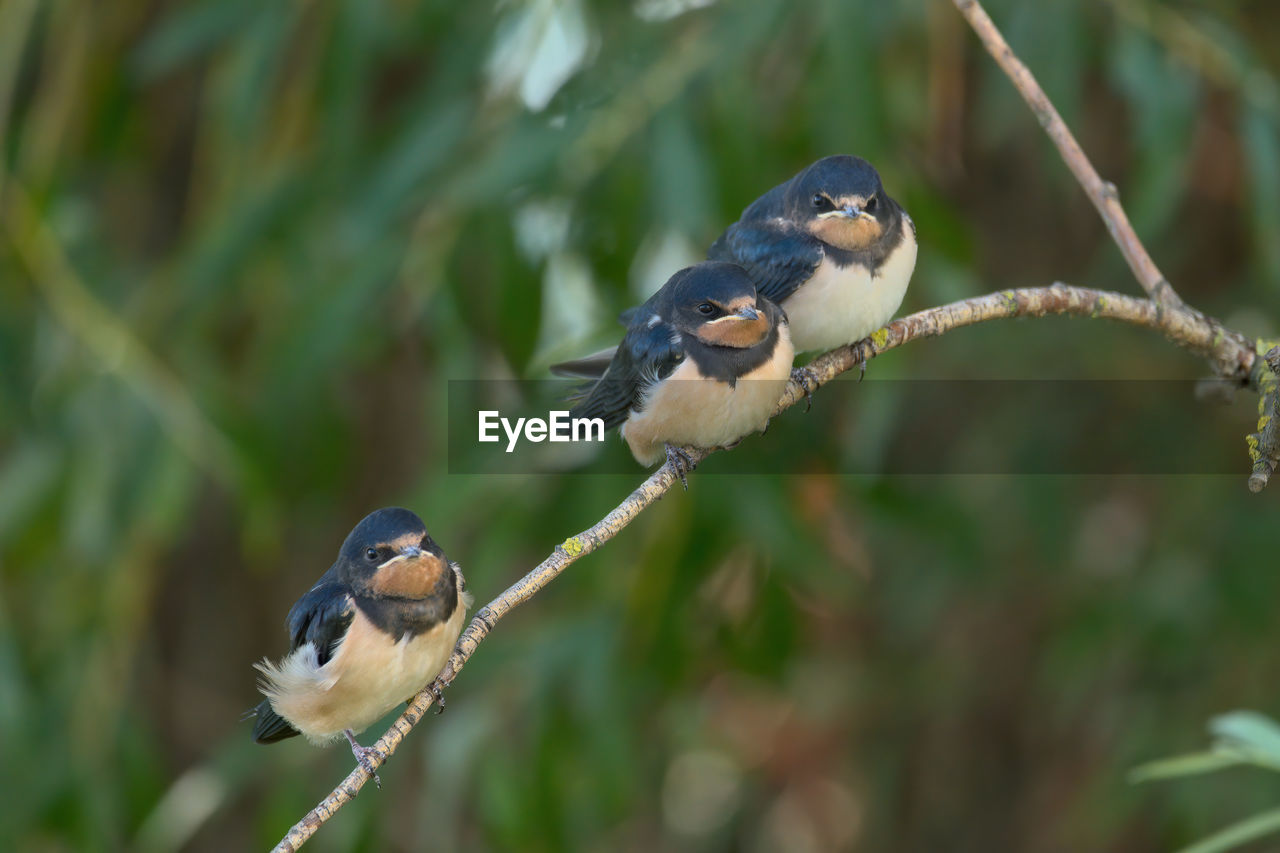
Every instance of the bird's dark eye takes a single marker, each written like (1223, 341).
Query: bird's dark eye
(870, 206)
(819, 201)
(706, 309)
(371, 555)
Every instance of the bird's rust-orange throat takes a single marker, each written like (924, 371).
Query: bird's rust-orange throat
(408, 577)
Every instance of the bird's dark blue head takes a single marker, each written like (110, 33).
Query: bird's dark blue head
(390, 553)
(841, 201)
(717, 303)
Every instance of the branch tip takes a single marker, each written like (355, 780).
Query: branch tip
(1264, 445)
(1185, 327)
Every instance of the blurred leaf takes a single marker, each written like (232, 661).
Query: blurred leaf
(189, 32)
(1192, 764)
(1164, 96)
(26, 478)
(539, 45)
(399, 174)
(1260, 134)
(1249, 829)
(1249, 732)
(680, 173)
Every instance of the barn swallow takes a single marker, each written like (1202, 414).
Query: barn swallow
(373, 631)
(831, 247)
(704, 362)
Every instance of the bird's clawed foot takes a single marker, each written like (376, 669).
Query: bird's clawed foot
(808, 382)
(437, 690)
(681, 463)
(364, 756)
(864, 354)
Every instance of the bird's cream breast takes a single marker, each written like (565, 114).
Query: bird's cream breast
(689, 409)
(840, 305)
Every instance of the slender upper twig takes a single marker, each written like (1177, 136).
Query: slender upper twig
(1102, 193)
(1188, 329)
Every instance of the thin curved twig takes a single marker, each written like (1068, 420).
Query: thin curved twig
(1103, 194)
(1189, 329)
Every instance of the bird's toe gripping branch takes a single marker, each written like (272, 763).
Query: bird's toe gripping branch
(1264, 445)
(364, 756)
(436, 689)
(808, 382)
(866, 350)
(681, 464)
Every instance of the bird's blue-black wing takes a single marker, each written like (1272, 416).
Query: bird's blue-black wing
(647, 354)
(321, 617)
(778, 259)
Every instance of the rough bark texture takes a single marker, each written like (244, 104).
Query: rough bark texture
(1264, 445)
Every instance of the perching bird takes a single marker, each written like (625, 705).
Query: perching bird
(704, 362)
(373, 631)
(831, 247)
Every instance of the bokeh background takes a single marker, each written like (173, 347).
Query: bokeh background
(245, 246)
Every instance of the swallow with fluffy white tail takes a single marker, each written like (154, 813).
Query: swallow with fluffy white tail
(375, 629)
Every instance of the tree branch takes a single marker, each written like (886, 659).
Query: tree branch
(1202, 335)
(1102, 193)
(1230, 353)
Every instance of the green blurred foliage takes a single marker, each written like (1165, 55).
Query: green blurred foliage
(1241, 739)
(245, 246)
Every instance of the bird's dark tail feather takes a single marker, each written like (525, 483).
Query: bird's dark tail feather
(588, 367)
(270, 726)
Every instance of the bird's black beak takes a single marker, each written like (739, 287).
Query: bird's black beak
(748, 312)
(411, 551)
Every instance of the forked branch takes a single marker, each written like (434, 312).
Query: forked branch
(1230, 353)
(1188, 329)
